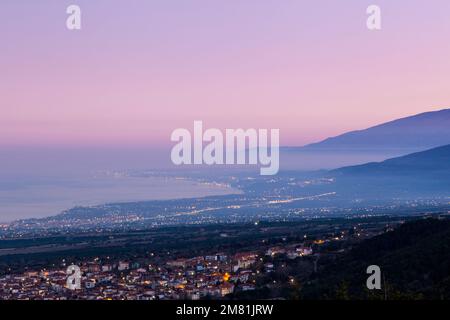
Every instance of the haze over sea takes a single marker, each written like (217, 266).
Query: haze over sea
(43, 197)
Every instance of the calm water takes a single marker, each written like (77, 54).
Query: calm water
(42, 197)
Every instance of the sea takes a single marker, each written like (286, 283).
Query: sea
(38, 197)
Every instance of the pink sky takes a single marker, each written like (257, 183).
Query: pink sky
(137, 71)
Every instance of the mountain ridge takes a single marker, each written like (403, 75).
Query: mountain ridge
(424, 174)
(432, 160)
(391, 139)
(424, 130)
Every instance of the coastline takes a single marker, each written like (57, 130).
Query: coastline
(50, 200)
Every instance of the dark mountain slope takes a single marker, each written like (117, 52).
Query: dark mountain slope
(414, 260)
(422, 174)
(423, 163)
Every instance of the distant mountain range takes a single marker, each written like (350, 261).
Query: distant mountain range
(425, 163)
(415, 175)
(421, 131)
(391, 139)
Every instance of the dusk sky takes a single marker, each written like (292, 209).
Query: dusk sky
(140, 69)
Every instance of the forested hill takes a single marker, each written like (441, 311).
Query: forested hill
(414, 260)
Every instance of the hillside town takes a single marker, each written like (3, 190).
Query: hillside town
(200, 277)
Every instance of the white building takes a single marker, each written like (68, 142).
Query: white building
(123, 266)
